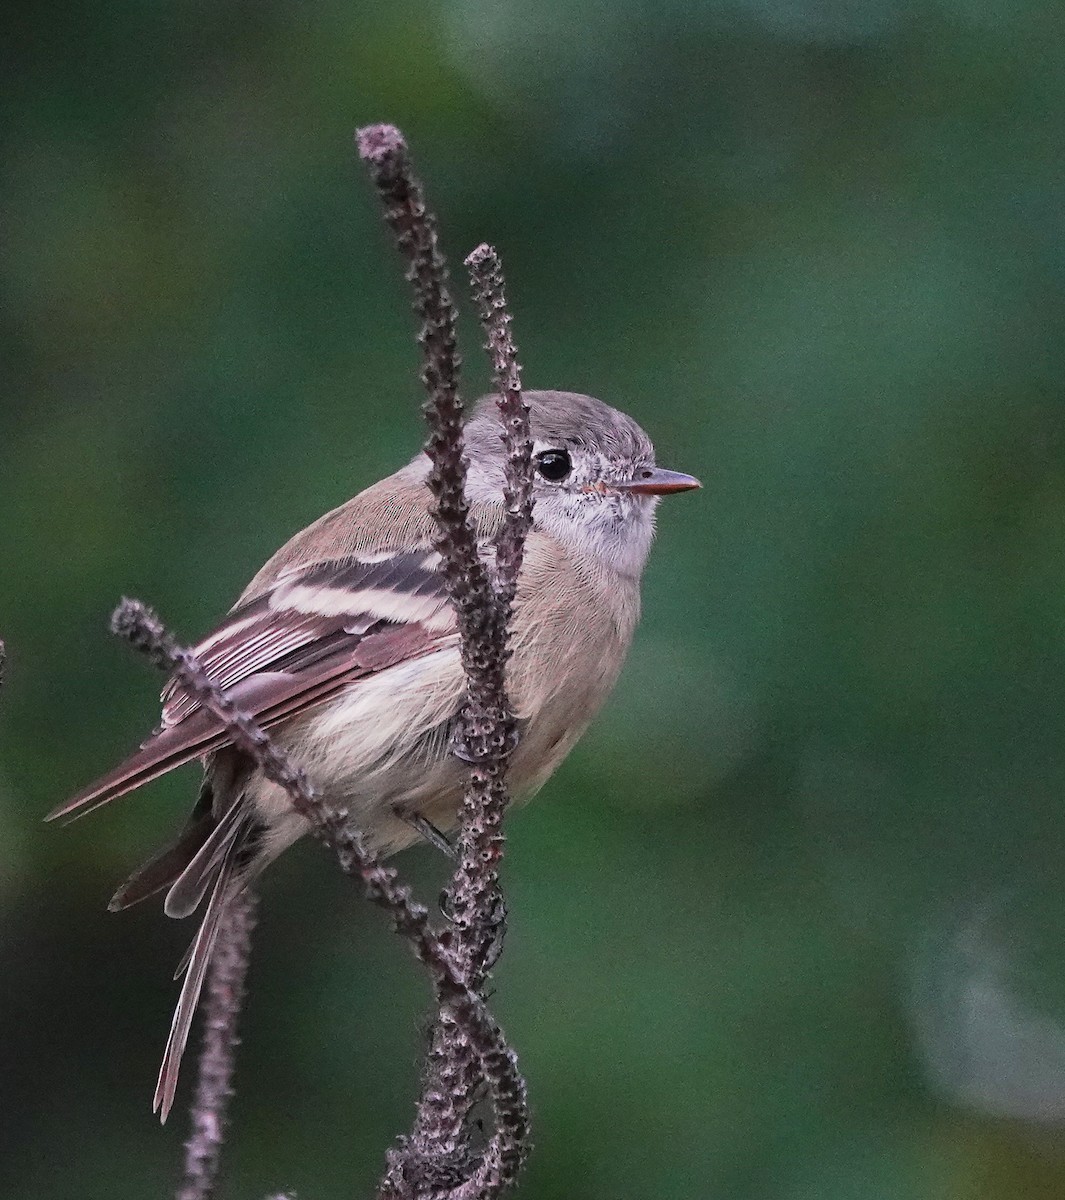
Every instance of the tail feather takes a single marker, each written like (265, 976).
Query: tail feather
(186, 958)
(190, 887)
(227, 884)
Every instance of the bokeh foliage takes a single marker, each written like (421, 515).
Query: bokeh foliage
(788, 924)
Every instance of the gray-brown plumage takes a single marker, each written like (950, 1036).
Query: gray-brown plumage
(344, 645)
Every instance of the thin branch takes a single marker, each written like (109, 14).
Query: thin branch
(474, 899)
(221, 1012)
(437, 1152)
(489, 293)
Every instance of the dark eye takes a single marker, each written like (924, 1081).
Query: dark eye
(554, 465)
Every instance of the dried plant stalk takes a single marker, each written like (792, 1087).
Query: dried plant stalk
(474, 899)
(437, 1151)
(489, 293)
(221, 1012)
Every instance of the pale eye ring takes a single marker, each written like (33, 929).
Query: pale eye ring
(554, 465)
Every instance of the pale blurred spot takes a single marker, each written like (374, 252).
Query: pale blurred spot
(977, 998)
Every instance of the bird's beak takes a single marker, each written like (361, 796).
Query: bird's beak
(656, 481)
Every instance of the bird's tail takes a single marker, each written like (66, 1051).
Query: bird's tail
(220, 869)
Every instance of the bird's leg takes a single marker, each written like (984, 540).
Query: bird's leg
(430, 833)
(493, 930)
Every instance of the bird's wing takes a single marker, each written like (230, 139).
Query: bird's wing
(317, 629)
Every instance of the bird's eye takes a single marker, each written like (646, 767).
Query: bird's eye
(554, 465)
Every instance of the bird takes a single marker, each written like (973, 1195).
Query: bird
(344, 644)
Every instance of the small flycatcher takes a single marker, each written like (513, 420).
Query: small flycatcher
(345, 646)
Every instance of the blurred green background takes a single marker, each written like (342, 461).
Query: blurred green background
(788, 924)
